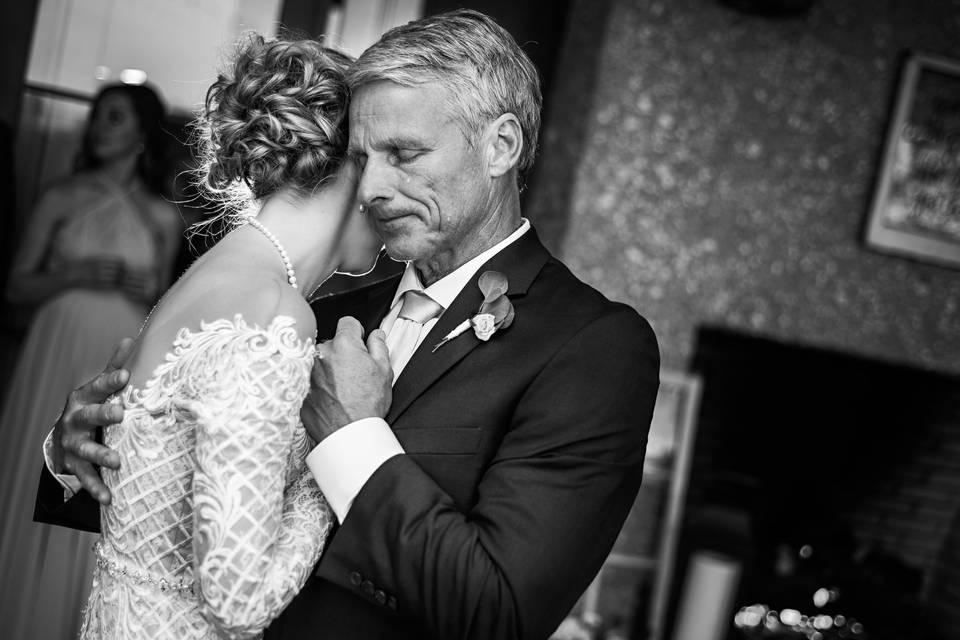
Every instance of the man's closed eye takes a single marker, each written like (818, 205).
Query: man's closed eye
(403, 156)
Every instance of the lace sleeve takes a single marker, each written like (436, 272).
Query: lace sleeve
(255, 540)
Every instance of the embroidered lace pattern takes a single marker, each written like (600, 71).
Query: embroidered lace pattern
(215, 522)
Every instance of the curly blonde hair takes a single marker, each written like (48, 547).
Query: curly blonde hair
(277, 118)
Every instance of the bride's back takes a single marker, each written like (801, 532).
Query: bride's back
(237, 363)
(201, 537)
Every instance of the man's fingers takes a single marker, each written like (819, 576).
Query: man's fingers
(320, 352)
(90, 480)
(106, 384)
(97, 415)
(113, 378)
(350, 328)
(120, 355)
(377, 346)
(316, 374)
(96, 453)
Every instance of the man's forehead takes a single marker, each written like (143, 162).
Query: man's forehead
(387, 109)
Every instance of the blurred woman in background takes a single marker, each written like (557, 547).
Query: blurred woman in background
(96, 253)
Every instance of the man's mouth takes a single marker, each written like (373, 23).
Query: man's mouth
(390, 217)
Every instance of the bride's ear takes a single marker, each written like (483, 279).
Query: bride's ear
(504, 142)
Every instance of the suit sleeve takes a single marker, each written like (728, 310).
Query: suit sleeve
(79, 512)
(550, 505)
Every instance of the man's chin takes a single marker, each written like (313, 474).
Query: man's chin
(403, 250)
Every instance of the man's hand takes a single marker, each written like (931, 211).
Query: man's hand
(74, 448)
(350, 380)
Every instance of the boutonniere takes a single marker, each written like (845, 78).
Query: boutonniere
(496, 310)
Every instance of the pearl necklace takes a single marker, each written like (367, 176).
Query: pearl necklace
(291, 276)
(256, 224)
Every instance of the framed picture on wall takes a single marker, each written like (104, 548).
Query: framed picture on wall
(916, 204)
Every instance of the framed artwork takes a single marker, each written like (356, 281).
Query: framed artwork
(916, 204)
(628, 597)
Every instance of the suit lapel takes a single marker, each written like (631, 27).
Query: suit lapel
(521, 261)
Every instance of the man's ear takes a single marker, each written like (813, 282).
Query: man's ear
(504, 144)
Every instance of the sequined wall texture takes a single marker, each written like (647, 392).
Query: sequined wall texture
(708, 166)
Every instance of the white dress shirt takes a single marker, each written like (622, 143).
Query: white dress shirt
(344, 461)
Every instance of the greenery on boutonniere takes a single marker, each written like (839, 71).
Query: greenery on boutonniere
(496, 311)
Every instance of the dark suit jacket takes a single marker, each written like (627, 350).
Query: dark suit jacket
(523, 456)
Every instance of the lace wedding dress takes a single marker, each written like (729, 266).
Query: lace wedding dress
(215, 522)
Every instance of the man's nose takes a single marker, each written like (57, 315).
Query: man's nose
(376, 183)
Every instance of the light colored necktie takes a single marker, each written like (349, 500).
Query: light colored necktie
(418, 309)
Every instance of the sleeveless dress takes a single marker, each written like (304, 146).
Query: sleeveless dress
(215, 522)
(44, 570)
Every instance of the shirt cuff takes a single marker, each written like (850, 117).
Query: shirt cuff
(71, 485)
(344, 461)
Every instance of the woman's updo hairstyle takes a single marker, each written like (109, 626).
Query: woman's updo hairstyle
(277, 118)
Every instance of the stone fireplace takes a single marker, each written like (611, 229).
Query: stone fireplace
(821, 469)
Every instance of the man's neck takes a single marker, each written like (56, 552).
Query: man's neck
(445, 262)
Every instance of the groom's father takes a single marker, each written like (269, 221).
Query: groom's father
(479, 496)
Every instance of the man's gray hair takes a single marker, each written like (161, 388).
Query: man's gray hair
(479, 64)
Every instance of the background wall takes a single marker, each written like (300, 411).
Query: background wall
(712, 167)
(709, 166)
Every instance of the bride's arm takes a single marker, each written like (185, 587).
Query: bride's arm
(255, 541)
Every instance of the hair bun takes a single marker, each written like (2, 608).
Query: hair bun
(277, 118)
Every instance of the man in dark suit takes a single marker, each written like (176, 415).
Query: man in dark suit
(480, 478)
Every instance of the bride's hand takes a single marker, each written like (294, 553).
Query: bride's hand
(75, 450)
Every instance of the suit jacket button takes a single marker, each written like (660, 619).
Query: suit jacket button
(380, 596)
(367, 587)
(392, 603)
(355, 578)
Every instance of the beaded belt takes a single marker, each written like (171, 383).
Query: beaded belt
(117, 569)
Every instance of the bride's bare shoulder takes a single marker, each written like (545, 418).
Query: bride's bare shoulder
(211, 294)
(260, 299)
(291, 303)
(225, 290)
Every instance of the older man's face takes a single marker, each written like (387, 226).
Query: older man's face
(422, 182)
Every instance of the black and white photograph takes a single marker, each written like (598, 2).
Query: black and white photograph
(480, 320)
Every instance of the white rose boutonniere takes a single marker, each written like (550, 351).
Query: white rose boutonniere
(496, 311)
(484, 325)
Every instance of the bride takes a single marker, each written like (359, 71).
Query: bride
(215, 522)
